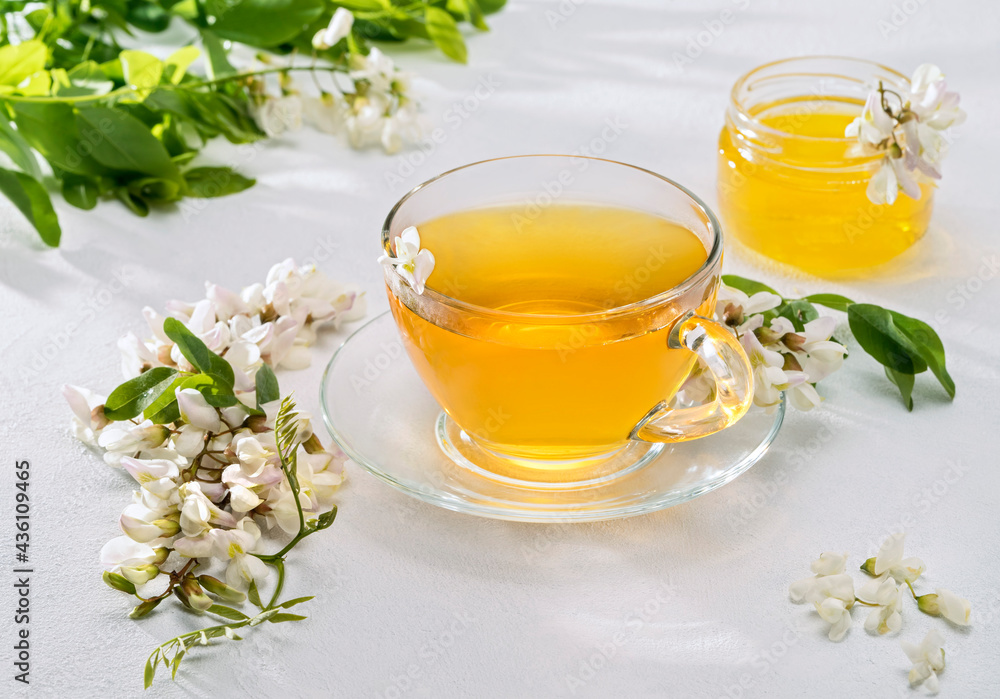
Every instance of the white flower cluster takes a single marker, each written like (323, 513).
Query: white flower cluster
(376, 109)
(831, 591)
(783, 360)
(909, 129)
(212, 479)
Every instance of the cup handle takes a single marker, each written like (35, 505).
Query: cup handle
(722, 353)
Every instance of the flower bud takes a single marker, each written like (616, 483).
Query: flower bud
(794, 341)
(869, 566)
(141, 610)
(733, 314)
(268, 314)
(97, 419)
(767, 336)
(791, 363)
(221, 589)
(169, 527)
(313, 445)
(928, 604)
(895, 151)
(141, 574)
(161, 554)
(153, 436)
(118, 582)
(257, 424)
(190, 593)
(163, 355)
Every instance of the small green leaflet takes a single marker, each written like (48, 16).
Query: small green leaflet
(133, 396)
(444, 32)
(747, 286)
(194, 350)
(31, 199)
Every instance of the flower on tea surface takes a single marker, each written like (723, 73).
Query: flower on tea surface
(338, 28)
(413, 264)
(927, 659)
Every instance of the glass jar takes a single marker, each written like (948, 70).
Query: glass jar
(792, 187)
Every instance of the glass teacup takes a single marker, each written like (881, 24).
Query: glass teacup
(563, 388)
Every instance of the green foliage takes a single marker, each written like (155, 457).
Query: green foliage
(119, 123)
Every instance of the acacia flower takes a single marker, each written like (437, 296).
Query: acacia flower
(132, 559)
(927, 659)
(947, 604)
(338, 28)
(413, 264)
(886, 616)
(889, 560)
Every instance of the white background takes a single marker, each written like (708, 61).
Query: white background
(690, 601)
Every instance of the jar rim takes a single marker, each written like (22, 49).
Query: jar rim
(738, 104)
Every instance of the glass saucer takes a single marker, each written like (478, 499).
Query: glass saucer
(382, 416)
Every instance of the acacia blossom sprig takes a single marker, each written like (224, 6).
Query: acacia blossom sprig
(908, 128)
(831, 591)
(373, 104)
(218, 458)
(785, 359)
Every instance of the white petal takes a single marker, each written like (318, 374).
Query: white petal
(890, 553)
(196, 411)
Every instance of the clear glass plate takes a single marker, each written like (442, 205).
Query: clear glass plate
(382, 416)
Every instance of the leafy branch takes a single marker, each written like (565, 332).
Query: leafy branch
(118, 123)
(904, 346)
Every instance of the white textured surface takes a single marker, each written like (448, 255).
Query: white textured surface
(686, 602)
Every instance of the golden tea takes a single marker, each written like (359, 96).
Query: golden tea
(552, 375)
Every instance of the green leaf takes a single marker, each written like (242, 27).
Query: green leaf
(267, 385)
(444, 32)
(292, 602)
(875, 331)
(747, 286)
(215, 52)
(476, 16)
(87, 78)
(207, 182)
(163, 409)
(176, 663)
(904, 382)
(194, 350)
(253, 595)
(133, 396)
(122, 142)
(491, 6)
(227, 612)
(148, 674)
(80, 191)
(284, 616)
(326, 519)
(263, 22)
(18, 61)
(362, 5)
(179, 61)
(118, 582)
(31, 199)
(929, 346)
(147, 16)
(51, 129)
(17, 149)
(799, 311)
(834, 301)
(217, 395)
(141, 70)
(135, 203)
